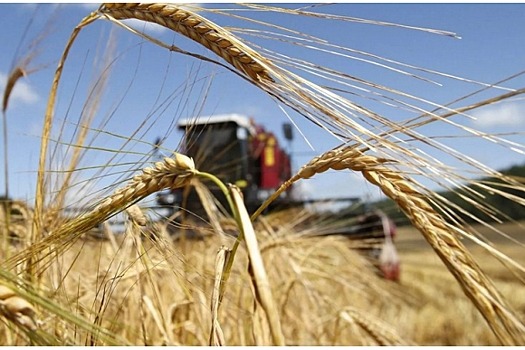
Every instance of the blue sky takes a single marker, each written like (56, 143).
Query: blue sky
(151, 80)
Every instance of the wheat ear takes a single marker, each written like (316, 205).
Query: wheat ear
(17, 309)
(380, 332)
(440, 235)
(171, 173)
(197, 28)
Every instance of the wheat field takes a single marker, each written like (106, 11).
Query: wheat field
(70, 277)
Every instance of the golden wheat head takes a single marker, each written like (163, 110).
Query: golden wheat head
(196, 28)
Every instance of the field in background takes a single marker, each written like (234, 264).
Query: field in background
(446, 316)
(326, 293)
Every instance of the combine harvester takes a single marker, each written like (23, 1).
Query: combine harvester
(239, 151)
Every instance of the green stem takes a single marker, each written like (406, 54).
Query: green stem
(221, 185)
(235, 212)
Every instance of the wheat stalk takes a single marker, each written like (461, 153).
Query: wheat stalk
(440, 235)
(46, 132)
(92, 103)
(261, 284)
(16, 74)
(216, 333)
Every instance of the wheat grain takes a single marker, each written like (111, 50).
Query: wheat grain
(136, 215)
(196, 28)
(171, 173)
(17, 309)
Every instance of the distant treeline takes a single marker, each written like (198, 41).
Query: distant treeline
(510, 208)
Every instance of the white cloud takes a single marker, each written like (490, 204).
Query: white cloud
(22, 92)
(503, 114)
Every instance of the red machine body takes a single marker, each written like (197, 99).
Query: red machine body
(274, 163)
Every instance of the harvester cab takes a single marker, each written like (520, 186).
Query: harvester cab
(238, 151)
